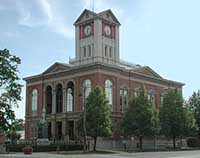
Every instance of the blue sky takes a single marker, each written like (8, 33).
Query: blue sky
(163, 34)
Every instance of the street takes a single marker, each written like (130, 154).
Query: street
(179, 154)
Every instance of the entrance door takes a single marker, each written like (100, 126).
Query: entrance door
(59, 130)
(49, 130)
(71, 130)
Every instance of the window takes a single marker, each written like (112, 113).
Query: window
(70, 97)
(84, 51)
(110, 52)
(48, 99)
(151, 97)
(161, 98)
(136, 92)
(89, 50)
(59, 98)
(106, 50)
(69, 100)
(123, 99)
(86, 89)
(34, 101)
(108, 91)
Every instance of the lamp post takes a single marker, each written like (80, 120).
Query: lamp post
(84, 119)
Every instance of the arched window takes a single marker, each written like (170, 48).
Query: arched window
(137, 92)
(49, 100)
(162, 95)
(151, 97)
(109, 91)
(123, 99)
(34, 101)
(86, 89)
(70, 97)
(59, 98)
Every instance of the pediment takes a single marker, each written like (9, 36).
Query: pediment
(87, 15)
(108, 15)
(56, 67)
(146, 70)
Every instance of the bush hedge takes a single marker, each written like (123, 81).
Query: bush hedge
(193, 142)
(45, 148)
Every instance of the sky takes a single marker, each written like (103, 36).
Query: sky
(163, 34)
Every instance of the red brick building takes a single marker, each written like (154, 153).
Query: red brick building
(60, 88)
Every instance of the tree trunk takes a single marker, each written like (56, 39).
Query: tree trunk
(95, 142)
(140, 142)
(174, 142)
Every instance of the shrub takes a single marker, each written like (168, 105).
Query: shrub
(45, 148)
(192, 142)
(28, 150)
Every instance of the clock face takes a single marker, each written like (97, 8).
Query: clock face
(107, 30)
(87, 30)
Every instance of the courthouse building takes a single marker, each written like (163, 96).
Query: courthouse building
(63, 87)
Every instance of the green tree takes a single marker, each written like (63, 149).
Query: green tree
(141, 119)
(194, 105)
(175, 119)
(98, 115)
(18, 125)
(13, 136)
(10, 88)
(189, 122)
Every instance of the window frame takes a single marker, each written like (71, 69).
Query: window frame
(109, 92)
(34, 102)
(124, 99)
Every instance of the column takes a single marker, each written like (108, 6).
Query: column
(64, 101)
(53, 101)
(75, 131)
(64, 133)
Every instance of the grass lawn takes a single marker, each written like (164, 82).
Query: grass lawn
(82, 152)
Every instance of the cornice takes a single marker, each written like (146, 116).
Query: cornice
(96, 66)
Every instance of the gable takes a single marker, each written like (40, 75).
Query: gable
(88, 15)
(146, 70)
(56, 67)
(108, 15)
(85, 15)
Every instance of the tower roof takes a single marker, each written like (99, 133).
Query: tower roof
(100, 15)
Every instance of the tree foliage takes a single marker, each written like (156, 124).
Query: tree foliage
(13, 136)
(10, 88)
(18, 125)
(141, 119)
(194, 105)
(175, 119)
(98, 115)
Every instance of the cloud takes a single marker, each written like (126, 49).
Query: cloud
(43, 13)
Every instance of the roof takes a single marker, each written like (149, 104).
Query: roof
(138, 70)
(97, 15)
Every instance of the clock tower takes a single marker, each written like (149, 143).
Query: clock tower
(97, 38)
